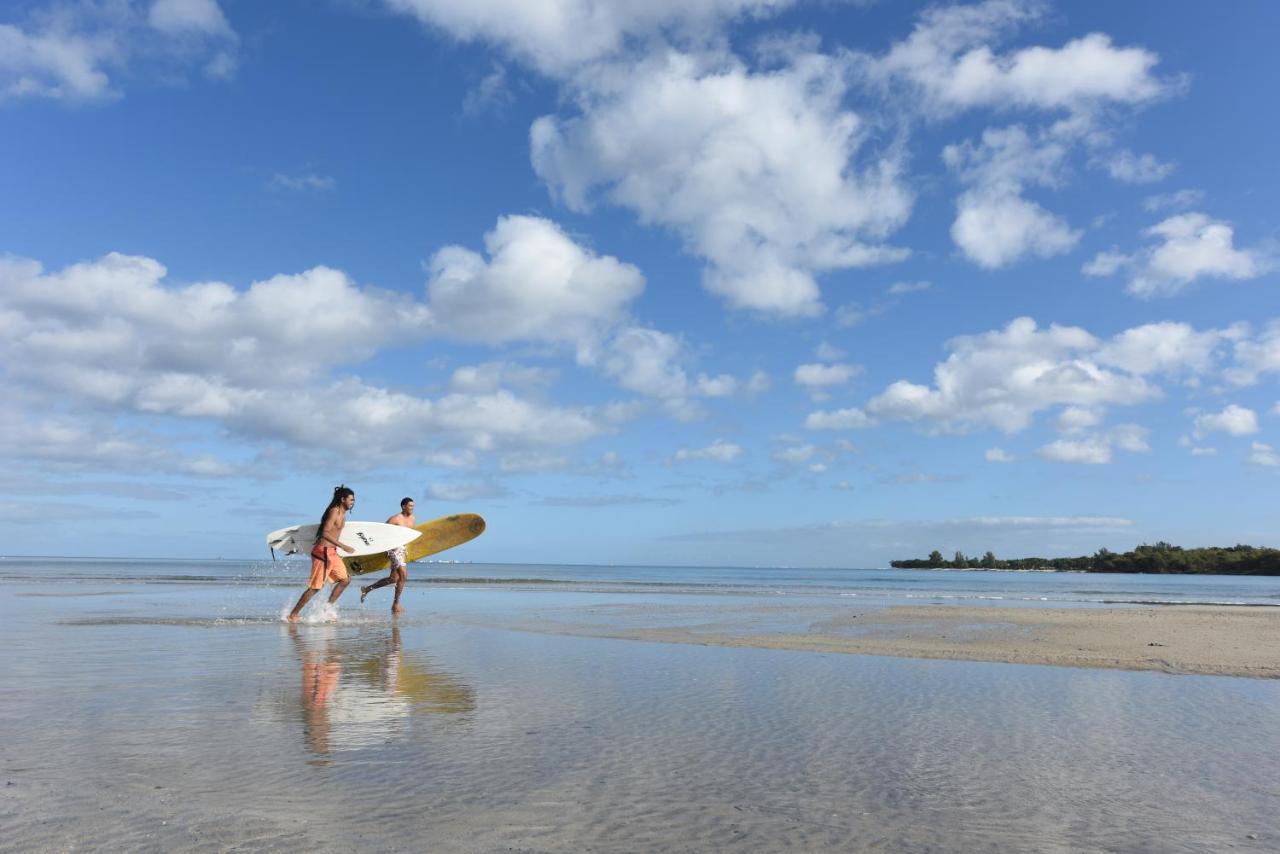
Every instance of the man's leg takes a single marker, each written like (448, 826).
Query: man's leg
(381, 582)
(302, 603)
(401, 575)
(338, 587)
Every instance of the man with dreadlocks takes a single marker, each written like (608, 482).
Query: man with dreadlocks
(326, 565)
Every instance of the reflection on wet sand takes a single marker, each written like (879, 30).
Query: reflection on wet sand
(360, 693)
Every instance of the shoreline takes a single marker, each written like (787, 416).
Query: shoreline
(1188, 639)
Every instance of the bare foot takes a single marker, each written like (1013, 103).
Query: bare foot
(364, 591)
(397, 609)
(293, 618)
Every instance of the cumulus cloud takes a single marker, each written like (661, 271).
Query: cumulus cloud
(488, 377)
(1002, 378)
(177, 17)
(995, 225)
(718, 451)
(261, 362)
(761, 173)
(1168, 347)
(1092, 451)
(1257, 356)
(1233, 420)
(795, 454)
(650, 362)
(558, 37)
(536, 284)
(1261, 454)
(1193, 247)
(1132, 168)
(998, 455)
(1097, 449)
(1074, 419)
(74, 53)
(840, 419)
(949, 65)
(821, 376)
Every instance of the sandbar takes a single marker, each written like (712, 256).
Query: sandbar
(1209, 640)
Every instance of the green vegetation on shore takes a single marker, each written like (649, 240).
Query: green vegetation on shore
(1161, 557)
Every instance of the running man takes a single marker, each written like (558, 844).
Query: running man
(326, 565)
(399, 570)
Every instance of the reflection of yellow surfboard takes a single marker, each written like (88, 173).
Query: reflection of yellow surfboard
(437, 535)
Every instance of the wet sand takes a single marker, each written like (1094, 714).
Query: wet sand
(1207, 640)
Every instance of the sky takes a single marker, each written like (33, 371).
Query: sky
(707, 282)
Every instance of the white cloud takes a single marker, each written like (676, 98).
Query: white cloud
(1263, 455)
(761, 174)
(185, 17)
(1074, 419)
(840, 419)
(1002, 378)
(998, 455)
(718, 451)
(488, 377)
(560, 36)
(1233, 420)
(1091, 451)
(649, 362)
(1096, 449)
(309, 181)
(1132, 168)
(1179, 200)
(818, 376)
(491, 93)
(995, 226)
(70, 53)
(1130, 437)
(829, 353)
(536, 285)
(898, 288)
(1167, 347)
(795, 454)
(1256, 357)
(949, 64)
(1194, 247)
(113, 335)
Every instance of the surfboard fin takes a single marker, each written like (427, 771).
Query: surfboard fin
(273, 554)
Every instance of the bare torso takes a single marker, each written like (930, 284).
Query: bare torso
(335, 519)
(406, 519)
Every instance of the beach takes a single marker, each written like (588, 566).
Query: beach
(185, 715)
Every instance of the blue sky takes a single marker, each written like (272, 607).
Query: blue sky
(706, 282)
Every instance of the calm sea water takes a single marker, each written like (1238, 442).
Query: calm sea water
(960, 587)
(165, 706)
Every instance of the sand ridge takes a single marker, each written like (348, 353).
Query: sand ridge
(1209, 640)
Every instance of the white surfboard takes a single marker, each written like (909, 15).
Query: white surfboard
(367, 538)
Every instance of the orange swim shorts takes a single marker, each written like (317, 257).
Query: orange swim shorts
(326, 566)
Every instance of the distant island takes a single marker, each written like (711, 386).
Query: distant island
(1159, 558)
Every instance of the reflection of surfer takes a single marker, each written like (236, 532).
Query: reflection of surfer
(325, 563)
(320, 674)
(399, 570)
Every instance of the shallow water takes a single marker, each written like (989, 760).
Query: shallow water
(180, 716)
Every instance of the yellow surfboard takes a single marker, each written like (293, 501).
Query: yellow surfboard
(437, 536)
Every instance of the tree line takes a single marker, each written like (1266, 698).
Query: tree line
(1161, 557)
